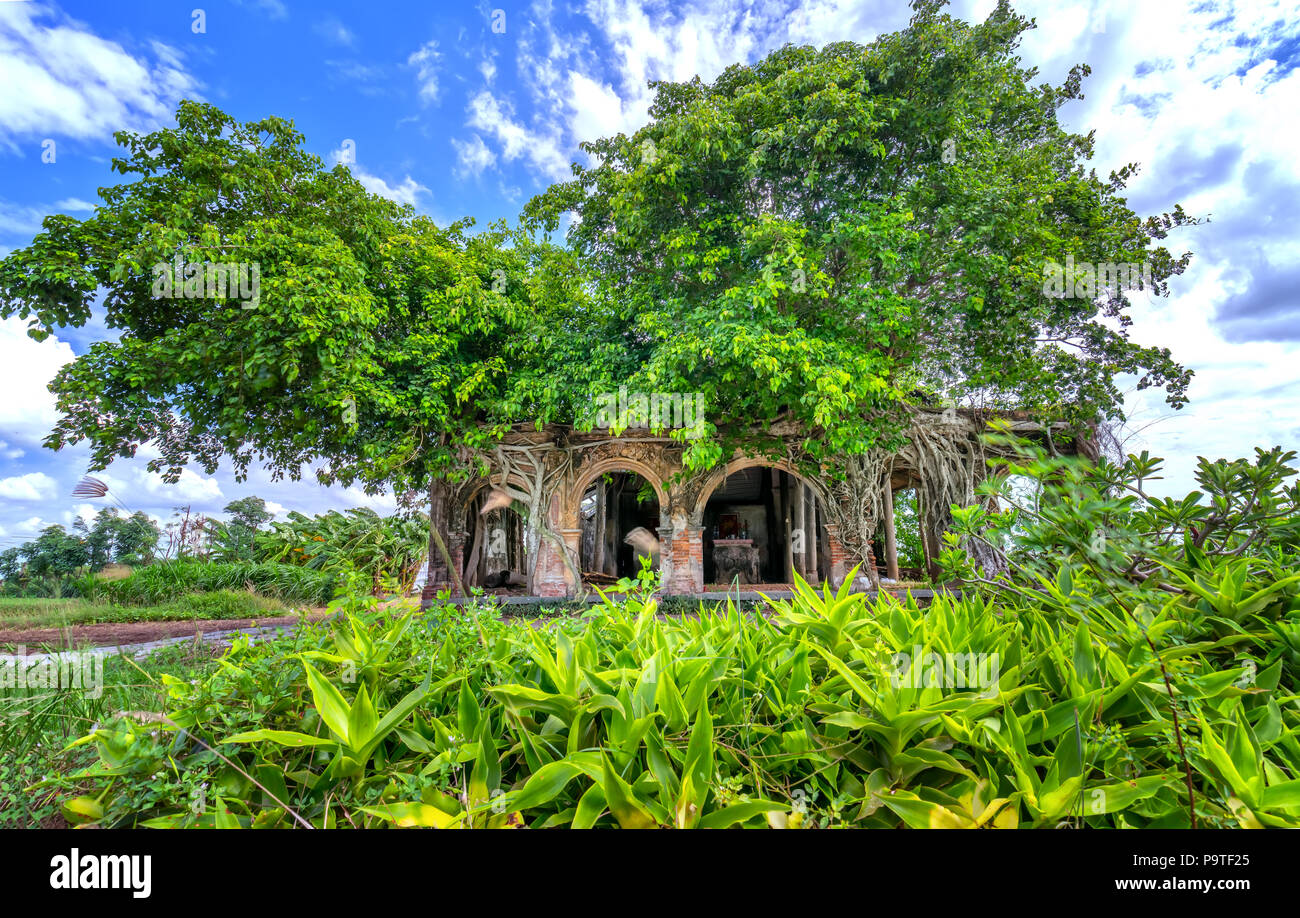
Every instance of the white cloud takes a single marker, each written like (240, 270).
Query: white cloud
(75, 205)
(333, 31)
(426, 61)
(275, 9)
(85, 512)
(382, 504)
(32, 486)
(472, 156)
(27, 411)
(407, 191)
(191, 487)
(76, 84)
(495, 117)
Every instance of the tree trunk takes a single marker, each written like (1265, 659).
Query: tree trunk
(444, 569)
(472, 563)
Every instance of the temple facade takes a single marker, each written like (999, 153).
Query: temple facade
(757, 520)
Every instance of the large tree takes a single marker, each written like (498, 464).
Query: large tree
(839, 235)
(374, 346)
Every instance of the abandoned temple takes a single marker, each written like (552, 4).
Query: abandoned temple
(754, 522)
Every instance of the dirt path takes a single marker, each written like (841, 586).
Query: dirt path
(113, 634)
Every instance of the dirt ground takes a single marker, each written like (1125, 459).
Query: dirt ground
(110, 634)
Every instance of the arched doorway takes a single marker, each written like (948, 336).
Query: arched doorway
(618, 513)
(763, 524)
(495, 553)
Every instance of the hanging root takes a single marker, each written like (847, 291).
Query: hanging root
(948, 457)
(529, 462)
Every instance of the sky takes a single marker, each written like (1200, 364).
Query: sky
(469, 110)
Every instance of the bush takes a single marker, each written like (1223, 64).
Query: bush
(832, 713)
(1146, 678)
(168, 581)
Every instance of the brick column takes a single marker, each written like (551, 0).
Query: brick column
(551, 579)
(684, 567)
(573, 543)
(840, 563)
(665, 534)
(438, 578)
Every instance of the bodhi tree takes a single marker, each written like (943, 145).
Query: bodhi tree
(357, 339)
(845, 236)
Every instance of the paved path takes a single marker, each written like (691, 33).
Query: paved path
(143, 650)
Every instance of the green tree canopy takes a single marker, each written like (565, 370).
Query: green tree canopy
(376, 346)
(835, 235)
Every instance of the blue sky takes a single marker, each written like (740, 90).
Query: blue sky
(468, 110)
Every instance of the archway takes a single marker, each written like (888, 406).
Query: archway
(618, 514)
(762, 524)
(494, 554)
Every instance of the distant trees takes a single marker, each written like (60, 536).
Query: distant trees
(57, 553)
(232, 540)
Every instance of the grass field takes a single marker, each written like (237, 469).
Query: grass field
(57, 613)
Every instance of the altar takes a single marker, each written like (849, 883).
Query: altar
(736, 558)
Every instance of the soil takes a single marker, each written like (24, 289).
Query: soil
(111, 634)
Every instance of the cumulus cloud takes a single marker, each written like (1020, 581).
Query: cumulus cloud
(27, 411)
(407, 191)
(472, 156)
(541, 148)
(77, 84)
(425, 61)
(32, 486)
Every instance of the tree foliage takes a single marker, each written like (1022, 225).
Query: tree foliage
(837, 234)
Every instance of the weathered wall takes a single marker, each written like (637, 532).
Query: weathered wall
(550, 469)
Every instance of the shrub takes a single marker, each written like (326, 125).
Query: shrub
(824, 715)
(168, 581)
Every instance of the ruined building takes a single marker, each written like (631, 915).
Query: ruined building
(755, 521)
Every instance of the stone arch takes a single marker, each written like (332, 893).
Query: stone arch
(611, 464)
(470, 489)
(571, 511)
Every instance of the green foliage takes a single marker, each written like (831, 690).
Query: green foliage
(1212, 575)
(384, 550)
(829, 712)
(232, 540)
(379, 345)
(59, 613)
(47, 565)
(170, 581)
(36, 726)
(791, 239)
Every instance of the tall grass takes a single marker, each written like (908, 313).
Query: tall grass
(168, 581)
(37, 725)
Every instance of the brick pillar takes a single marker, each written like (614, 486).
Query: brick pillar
(438, 578)
(840, 563)
(550, 579)
(573, 543)
(684, 567)
(665, 534)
